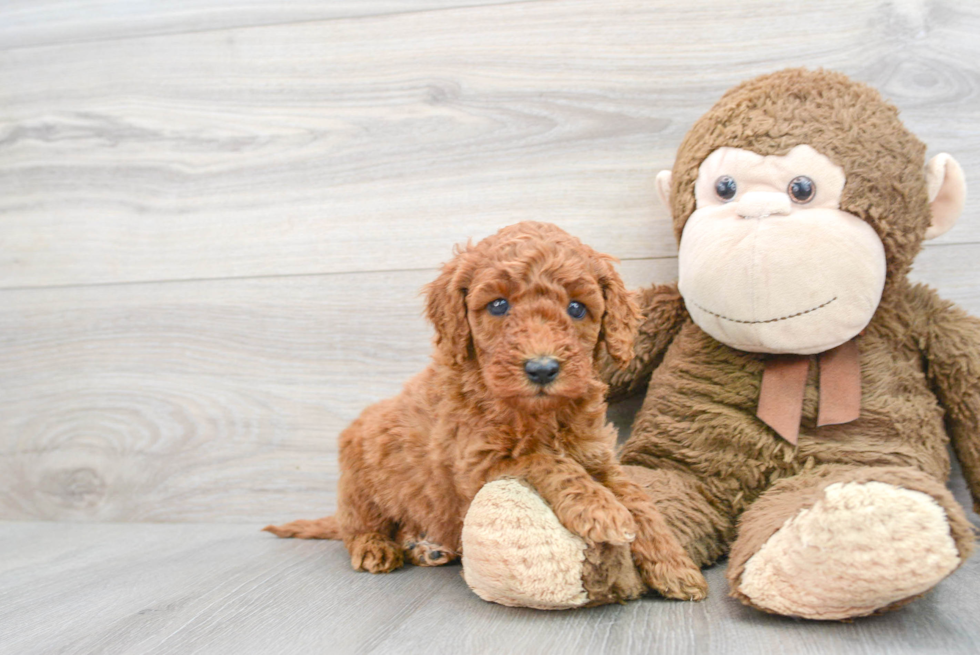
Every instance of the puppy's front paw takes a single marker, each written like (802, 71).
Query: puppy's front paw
(667, 568)
(611, 523)
(680, 580)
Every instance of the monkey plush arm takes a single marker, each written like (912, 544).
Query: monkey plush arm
(950, 341)
(663, 313)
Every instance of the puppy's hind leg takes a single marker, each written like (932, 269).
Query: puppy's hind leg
(374, 552)
(422, 552)
(367, 536)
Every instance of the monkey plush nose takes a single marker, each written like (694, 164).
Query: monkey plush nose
(759, 204)
(542, 370)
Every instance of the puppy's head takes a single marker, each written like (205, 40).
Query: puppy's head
(529, 307)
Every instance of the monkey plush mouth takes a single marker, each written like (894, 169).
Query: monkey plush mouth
(768, 320)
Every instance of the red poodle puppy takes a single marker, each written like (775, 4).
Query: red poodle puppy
(513, 390)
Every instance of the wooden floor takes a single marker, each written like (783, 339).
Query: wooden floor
(215, 219)
(218, 588)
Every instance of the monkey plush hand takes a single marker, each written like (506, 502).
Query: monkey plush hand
(800, 391)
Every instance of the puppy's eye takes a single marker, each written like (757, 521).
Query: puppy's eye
(576, 310)
(725, 187)
(498, 307)
(802, 189)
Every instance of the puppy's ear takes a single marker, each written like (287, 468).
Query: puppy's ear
(445, 308)
(622, 316)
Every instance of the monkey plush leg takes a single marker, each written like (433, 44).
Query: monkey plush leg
(841, 542)
(516, 552)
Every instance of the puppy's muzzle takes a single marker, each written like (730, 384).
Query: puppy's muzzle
(542, 370)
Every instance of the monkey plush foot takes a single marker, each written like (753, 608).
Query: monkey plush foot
(859, 549)
(517, 553)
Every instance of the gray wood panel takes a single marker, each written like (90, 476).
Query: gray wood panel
(203, 401)
(215, 217)
(954, 271)
(371, 143)
(34, 23)
(222, 400)
(143, 588)
(170, 401)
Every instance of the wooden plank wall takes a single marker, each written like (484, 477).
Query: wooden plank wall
(215, 215)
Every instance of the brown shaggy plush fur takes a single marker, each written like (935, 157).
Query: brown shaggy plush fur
(846, 121)
(711, 458)
(411, 465)
(791, 495)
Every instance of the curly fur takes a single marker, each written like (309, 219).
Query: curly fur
(411, 465)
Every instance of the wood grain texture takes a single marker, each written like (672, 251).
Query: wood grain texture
(222, 400)
(34, 23)
(162, 402)
(211, 243)
(143, 588)
(215, 218)
(371, 143)
(214, 401)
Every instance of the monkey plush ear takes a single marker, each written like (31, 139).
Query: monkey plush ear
(446, 310)
(663, 188)
(947, 193)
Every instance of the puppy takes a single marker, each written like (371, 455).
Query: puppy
(512, 390)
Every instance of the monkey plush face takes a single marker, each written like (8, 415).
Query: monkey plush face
(768, 260)
(799, 200)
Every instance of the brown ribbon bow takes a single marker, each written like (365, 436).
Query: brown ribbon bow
(784, 381)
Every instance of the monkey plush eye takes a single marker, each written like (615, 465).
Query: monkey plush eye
(802, 189)
(576, 310)
(725, 187)
(498, 307)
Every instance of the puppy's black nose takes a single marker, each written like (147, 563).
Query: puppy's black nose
(542, 370)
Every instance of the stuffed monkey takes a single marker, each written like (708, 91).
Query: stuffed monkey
(800, 391)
